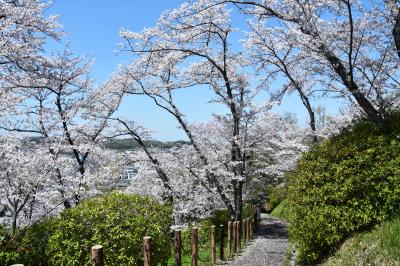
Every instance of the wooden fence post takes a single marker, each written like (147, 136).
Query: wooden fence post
(147, 250)
(178, 247)
(251, 227)
(255, 216)
(248, 229)
(213, 256)
(238, 235)
(221, 242)
(97, 256)
(235, 245)
(195, 245)
(244, 228)
(229, 239)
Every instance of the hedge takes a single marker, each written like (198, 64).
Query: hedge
(346, 184)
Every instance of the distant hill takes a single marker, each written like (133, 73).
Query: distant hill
(129, 144)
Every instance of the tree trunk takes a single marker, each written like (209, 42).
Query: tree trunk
(239, 204)
(396, 32)
(14, 221)
(239, 198)
(235, 200)
(67, 204)
(369, 109)
(307, 104)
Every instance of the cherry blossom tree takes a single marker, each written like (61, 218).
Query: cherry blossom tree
(55, 119)
(25, 174)
(273, 146)
(24, 29)
(192, 199)
(393, 5)
(69, 116)
(202, 43)
(348, 45)
(160, 174)
(273, 60)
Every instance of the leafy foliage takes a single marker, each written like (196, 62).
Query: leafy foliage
(8, 253)
(348, 183)
(276, 195)
(118, 222)
(281, 210)
(35, 243)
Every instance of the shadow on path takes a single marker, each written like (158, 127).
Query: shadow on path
(272, 228)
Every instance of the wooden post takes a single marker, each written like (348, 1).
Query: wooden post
(221, 242)
(213, 256)
(248, 229)
(251, 226)
(97, 256)
(195, 245)
(229, 239)
(178, 247)
(255, 217)
(251, 229)
(244, 228)
(238, 235)
(147, 250)
(235, 245)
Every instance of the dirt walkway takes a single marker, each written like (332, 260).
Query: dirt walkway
(268, 247)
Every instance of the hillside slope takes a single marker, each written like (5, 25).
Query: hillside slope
(380, 246)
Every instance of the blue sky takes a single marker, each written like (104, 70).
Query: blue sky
(92, 28)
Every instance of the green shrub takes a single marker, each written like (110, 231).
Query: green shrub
(276, 195)
(8, 248)
(281, 210)
(34, 243)
(348, 183)
(116, 221)
(220, 216)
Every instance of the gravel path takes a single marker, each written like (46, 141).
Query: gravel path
(268, 247)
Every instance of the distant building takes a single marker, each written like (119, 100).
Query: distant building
(127, 176)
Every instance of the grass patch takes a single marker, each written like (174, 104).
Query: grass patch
(380, 246)
(281, 210)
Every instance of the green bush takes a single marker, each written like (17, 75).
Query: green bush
(28, 246)
(346, 184)
(116, 221)
(281, 210)
(276, 195)
(34, 243)
(8, 248)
